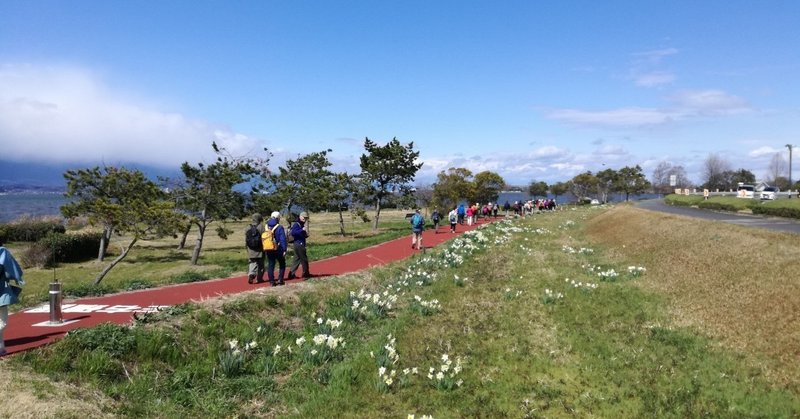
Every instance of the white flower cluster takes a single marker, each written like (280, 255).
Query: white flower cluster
(426, 307)
(586, 285)
(582, 250)
(233, 344)
(445, 376)
(418, 277)
(411, 416)
(328, 340)
(540, 231)
(567, 224)
(636, 271)
(512, 294)
(550, 296)
(387, 358)
(459, 281)
(610, 274)
(377, 303)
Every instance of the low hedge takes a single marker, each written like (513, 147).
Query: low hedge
(683, 200)
(718, 206)
(777, 211)
(59, 247)
(30, 229)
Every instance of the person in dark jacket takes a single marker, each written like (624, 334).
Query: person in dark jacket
(299, 232)
(436, 217)
(255, 272)
(278, 255)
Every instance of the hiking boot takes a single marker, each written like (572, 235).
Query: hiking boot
(307, 276)
(290, 276)
(281, 282)
(273, 284)
(251, 278)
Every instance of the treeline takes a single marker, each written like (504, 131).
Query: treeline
(207, 196)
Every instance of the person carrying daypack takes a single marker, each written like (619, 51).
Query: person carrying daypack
(255, 250)
(453, 218)
(436, 218)
(277, 250)
(417, 225)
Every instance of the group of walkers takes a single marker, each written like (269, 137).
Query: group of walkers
(269, 240)
(530, 206)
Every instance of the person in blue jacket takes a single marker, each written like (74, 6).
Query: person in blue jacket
(461, 213)
(10, 286)
(278, 255)
(299, 232)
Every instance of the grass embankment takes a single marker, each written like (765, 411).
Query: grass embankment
(789, 208)
(155, 263)
(547, 317)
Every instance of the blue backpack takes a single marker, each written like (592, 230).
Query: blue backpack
(417, 221)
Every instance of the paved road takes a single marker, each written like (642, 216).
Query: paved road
(769, 223)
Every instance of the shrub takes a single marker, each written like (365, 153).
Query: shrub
(683, 200)
(718, 206)
(59, 247)
(777, 211)
(29, 229)
(87, 290)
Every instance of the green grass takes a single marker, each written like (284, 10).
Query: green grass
(683, 200)
(609, 351)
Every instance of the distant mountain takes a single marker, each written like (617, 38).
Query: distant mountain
(49, 177)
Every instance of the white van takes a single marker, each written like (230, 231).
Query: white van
(745, 191)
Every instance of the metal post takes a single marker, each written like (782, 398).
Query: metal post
(55, 303)
(789, 146)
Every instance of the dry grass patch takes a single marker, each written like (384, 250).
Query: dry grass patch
(735, 283)
(27, 394)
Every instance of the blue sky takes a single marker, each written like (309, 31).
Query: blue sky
(533, 90)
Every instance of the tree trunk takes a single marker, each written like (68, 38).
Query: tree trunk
(185, 234)
(116, 261)
(341, 222)
(105, 239)
(199, 243)
(377, 214)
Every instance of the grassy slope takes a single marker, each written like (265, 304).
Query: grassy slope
(620, 350)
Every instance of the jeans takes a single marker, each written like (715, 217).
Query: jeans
(272, 258)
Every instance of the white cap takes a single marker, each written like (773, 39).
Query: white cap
(275, 214)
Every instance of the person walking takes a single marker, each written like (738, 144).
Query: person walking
(11, 283)
(461, 213)
(278, 255)
(255, 250)
(469, 215)
(299, 233)
(453, 218)
(417, 225)
(436, 218)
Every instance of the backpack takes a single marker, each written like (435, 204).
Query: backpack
(252, 238)
(268, 239)
(452, 217)
(417, 221)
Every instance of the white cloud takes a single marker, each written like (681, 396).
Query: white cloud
(709, 102)
(764, 151)
(655, 78)
(614, 118)
(59, 114)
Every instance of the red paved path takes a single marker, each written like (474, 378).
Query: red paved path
(22, 332)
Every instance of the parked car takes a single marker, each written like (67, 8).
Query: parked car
(769, 192)
(745, 191)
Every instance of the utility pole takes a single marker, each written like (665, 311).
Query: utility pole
(789, 146)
